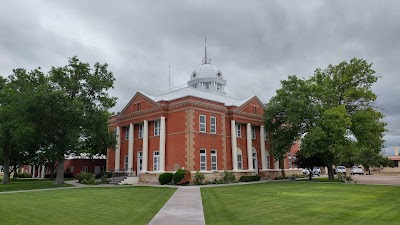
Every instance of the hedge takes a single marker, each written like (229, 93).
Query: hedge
(165, 178)
(249, 178)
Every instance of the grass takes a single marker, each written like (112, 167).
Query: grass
(29, 184)
(323, 179)
(301, 203)
(112, 205)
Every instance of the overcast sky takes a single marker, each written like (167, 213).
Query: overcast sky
(254, 43)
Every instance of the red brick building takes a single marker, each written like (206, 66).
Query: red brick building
(198, 127)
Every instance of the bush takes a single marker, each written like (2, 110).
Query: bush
(24, 175)
(249, 178)
(68, 174)
(104, 179)
(229, 177)
(85, 177)
(199, 178)
(165, 178)
(178, 176)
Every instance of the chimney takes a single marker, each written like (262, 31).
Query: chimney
(396, 150)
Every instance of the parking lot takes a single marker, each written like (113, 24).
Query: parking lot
(374, 179)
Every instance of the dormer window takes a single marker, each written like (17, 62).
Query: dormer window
(194, 74)
(219, 74)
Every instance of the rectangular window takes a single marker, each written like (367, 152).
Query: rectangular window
(85, 169)
(156, 161)
(138, 106)
(140, 135)
(268, 163)
(126, 133)
(203, 162)
(213, 124)
(157, 128)
(240, 164)
(202, 123)
(219, 87)
(213, 160)
(207, 85)
(126, 163)
(238, 130)
(253, 132)
(290, 161)
(72, 169)
(255, 110)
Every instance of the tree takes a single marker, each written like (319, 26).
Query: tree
(81, 102)
(332, 111)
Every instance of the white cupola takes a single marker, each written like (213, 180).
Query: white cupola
(207, 77)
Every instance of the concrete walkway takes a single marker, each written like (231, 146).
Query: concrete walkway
(184, 207)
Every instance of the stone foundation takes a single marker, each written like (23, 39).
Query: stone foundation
(270, 174)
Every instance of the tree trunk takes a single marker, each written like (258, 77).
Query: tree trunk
(60, 173)
(310, 174)
(331, 175)
(51, 166)
(282, 166)
(15, 175)
(6, 155)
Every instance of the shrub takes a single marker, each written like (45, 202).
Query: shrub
(86, 178)
(178, 176)
(165, 178)
(249, 178)
(104, 179)
(199, 178)
(187, 177)
(229, 177)
(24, 175)
(68, 174)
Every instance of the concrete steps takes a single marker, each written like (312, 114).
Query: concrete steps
(130, 180)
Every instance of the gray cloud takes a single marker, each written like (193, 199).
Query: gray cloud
(255, 44)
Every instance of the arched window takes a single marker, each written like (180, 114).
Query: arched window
(268, 158)
(239, 159)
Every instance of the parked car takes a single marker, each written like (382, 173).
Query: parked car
(315, 171)
(356, 170)
(341, 169)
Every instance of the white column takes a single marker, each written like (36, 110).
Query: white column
(162, 144)
(38, 172)
(249, 148)
(43, 173)
(29, 169)
(145, 157)
(234, 145)
(262, 144)
(34, 172)
(130, 149)
(22, 169)
(118, 149)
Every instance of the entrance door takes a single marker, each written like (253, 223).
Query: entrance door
(139, 163)
(255, 163)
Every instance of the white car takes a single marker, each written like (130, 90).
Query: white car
(341, 169)
(315, 171)
(356, 170)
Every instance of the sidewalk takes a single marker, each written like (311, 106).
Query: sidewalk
(184, 207)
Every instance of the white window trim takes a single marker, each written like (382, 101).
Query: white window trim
(126, 163)
(214, 165)
(238, 130)
(85, 169)
(127, 133)
(205, 160)
(140, 133)
(156, 166)
(204, 124)
(156, 128)
(253, 132)
(213, 126)
(239, 162)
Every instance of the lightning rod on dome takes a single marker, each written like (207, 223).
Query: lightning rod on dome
(205, 60)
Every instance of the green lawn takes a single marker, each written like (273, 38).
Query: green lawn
(29, 184)
(113, 205)
(302, 203)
